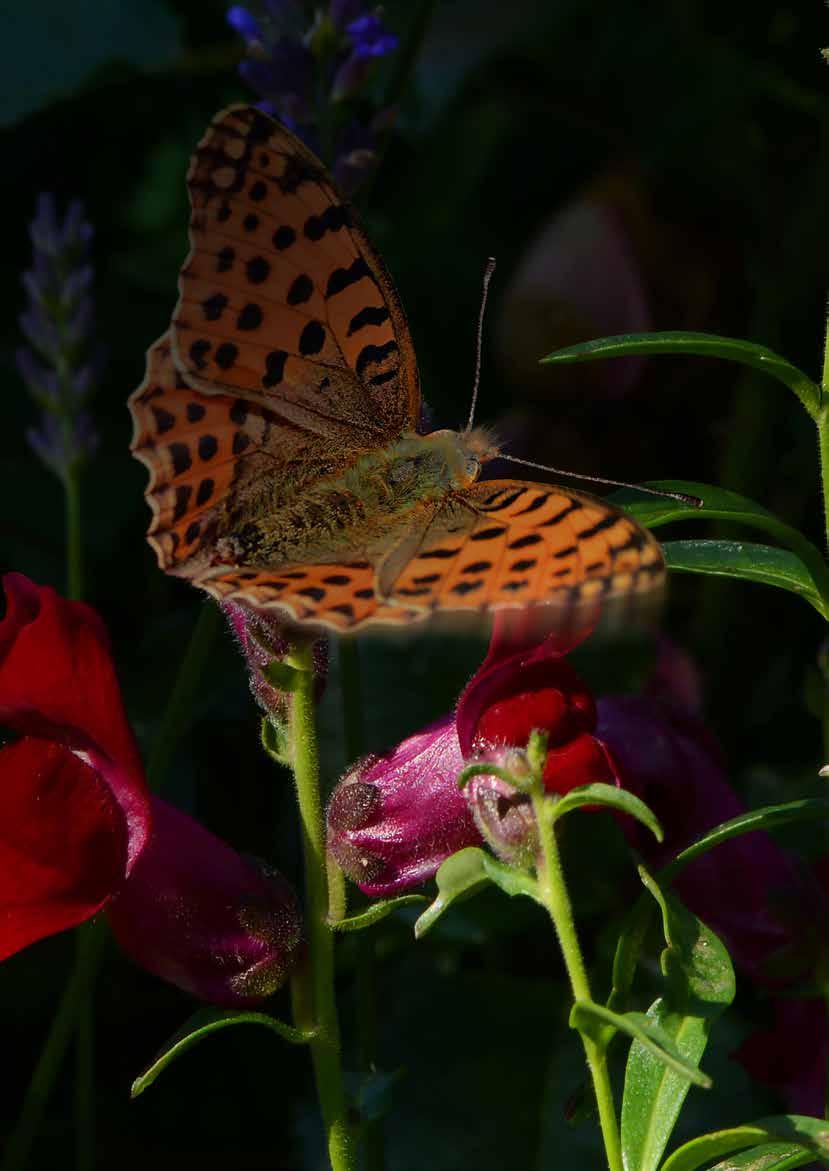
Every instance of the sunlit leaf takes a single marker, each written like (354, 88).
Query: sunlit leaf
(467, 872)
(644, 1029)
(699, 985)
(760, 563)
(610, 797)
(811, 1134)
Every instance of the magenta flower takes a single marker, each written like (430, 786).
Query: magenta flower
(393, 819)
(201, 916)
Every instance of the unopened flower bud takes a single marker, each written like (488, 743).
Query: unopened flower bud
(504, 816)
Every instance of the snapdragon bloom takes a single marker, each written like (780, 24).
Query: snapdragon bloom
(79, 831)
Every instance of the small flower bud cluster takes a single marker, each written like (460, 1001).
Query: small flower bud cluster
(61, 365)
(294, 68)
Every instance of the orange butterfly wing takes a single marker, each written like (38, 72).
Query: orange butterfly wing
(282, 297)
(508, 543)
(289, 357)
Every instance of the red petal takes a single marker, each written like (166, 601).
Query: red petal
(58, 682)
(584, 761)
(62, 842)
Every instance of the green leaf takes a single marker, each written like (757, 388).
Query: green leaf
(459, 877)
(707, 345)
(766, 818)
(810, 1134)
(376, 912)
(467, 872)
(628, 948)
(720, 504)
(768, 1157)
(644, 1029)
(74, 40)
(761, 563)
(612, 798)
(699, 984)
(201, 1025)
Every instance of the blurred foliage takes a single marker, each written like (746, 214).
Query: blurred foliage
(711, 123)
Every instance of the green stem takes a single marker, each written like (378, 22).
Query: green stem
(74, 547)
(373, 1135)
(823, 450)
(91, 936)
(557, 901)
(325, 1047)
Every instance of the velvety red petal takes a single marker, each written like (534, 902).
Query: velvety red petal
(62, 842)
(583, 761)
(58, 682)
(503, 703)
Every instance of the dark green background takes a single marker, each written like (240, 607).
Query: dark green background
(712, 119)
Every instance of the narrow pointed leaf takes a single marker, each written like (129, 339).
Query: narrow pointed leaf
(811, 1134)
(720, 504)
(612, 798)
(766, 818)
(706, 345)
(376, 912)
(589, 1018)
(751, 562)
(201, 1025)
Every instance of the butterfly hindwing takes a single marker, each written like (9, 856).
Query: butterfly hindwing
(503, 543)
(282, 297)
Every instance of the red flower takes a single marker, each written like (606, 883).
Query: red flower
(518, 689)
(77, 832)
(74, 807)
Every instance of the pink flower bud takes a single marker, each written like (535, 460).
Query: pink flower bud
(503, 814)
(264, 639)
(203, 917)
(392, 820)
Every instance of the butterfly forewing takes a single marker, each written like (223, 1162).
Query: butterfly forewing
(282, 297)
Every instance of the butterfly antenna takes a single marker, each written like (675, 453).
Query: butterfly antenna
(488, 271)
(682, 497)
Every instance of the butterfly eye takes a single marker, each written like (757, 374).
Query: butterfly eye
(472, 467)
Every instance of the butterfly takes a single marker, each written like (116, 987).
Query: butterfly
(278, 420)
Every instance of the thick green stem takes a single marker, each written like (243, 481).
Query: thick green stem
(557, 901)
(91, 937)
(325, 1047)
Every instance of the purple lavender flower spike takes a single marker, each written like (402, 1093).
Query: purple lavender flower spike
(293, 58)
(62, 367)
